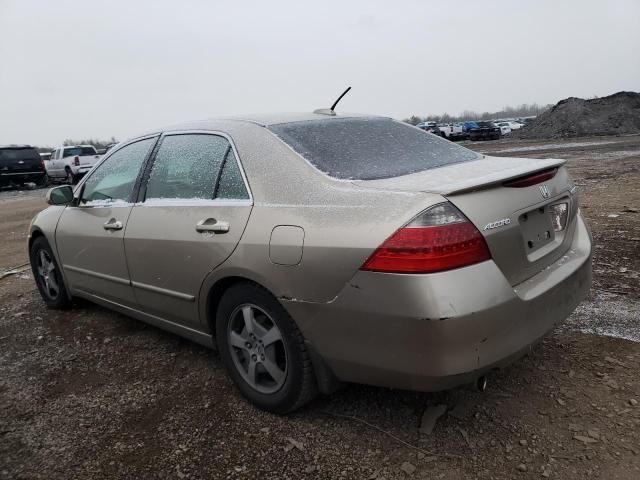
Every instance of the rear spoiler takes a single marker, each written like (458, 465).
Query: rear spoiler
(466, 176)
(492, 178)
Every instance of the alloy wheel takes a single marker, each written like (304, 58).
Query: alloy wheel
(47, 274)
(257, 348)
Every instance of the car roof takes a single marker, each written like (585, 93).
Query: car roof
(264, 120)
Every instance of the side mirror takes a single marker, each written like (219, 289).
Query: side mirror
(60, 195)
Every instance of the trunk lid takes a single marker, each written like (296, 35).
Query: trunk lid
(516, 222)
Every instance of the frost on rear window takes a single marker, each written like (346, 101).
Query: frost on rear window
(369, 148)
(187, 166)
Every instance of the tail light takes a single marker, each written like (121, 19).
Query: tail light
(76, 161)
(42, 164)
(440, 238)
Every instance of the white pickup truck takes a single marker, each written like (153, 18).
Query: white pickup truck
(452, 131)
(71, 162)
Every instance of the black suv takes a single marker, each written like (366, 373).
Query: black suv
(484, 131)
(20, 164)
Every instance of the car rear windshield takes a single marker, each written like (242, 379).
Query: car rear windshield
(369, 148)
(19, 154)
(73, 151)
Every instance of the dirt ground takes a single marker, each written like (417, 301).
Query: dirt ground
(88, 393)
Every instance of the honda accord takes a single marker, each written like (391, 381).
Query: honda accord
(317, 249)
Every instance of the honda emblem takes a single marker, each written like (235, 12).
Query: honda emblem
(544, 191)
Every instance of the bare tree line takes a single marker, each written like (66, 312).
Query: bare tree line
(91, 141)
(524, 110)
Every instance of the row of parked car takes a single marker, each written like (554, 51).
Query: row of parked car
(22, 164)
(472, 130)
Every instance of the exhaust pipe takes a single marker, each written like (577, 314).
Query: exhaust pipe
(481, 383)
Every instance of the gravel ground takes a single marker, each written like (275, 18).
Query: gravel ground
(88, 393)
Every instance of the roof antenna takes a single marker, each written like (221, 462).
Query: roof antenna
(331, 111)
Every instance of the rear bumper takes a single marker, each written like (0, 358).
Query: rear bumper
(7, 178)
(433, 332)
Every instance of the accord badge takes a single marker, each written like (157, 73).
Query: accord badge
(499, 223)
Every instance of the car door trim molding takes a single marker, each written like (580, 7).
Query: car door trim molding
(186, 202)
(124, 281)
(102, 276)
(164, 291)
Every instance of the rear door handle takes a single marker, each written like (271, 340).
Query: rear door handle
(212, 225)
(112, 224)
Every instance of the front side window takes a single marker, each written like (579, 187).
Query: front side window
(115, 178)
(187, 167)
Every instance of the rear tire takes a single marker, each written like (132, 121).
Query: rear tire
(263, 350)
(47, 274)
(44, 182)
(71, 178)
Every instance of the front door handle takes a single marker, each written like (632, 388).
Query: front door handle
(212, 225)
(112, 224)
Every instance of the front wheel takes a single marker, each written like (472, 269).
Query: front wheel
(47, 274)
(263, 350)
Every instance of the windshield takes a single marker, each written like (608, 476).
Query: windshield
(369, 148)
(70, 152)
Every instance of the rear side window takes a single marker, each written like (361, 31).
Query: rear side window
(369, 148)
(187, 167)
(79, 151)
(231, 184)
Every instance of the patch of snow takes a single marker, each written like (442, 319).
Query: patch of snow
(548, 146)
(609, 315)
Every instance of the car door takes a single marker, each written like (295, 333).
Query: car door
(193, 208)
(90, 231)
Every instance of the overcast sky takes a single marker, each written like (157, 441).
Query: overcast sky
(84, 68)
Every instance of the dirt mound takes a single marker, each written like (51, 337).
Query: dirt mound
(616, 114)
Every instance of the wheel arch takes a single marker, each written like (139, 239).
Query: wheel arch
(35, 233)
(214, 295)
(326, 380)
